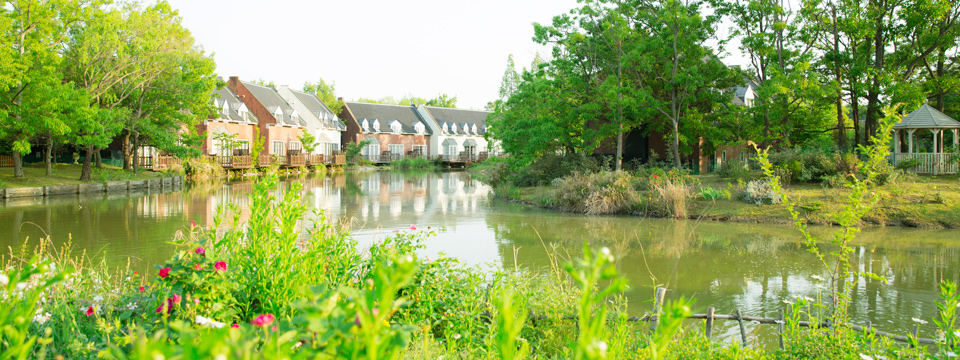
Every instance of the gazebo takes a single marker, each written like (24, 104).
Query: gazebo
(913, 145)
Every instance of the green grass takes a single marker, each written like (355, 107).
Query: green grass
(914, 201)
(69, 174)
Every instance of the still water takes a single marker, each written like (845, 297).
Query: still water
(725, 265)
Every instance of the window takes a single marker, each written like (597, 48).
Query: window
(452, 150)
(454, 128)
(446, 129)
(365, 125)
(420, 128)
(294, 147)
(396, 149)
(277, 148)
(420, 149)
(395, 126)
(278, 115)
(373, 149)
(376, 125)
(243, 148)
(475, 129)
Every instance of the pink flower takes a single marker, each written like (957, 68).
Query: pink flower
(413, 227)
(263, 320)
(193, 224)
(220, 266)
(142, 289)
(197, 266)
(174, 300)
(235, 326)
(196, 301)
(274, 328)
(90, 311)
(161, 309)
(201, 251)
(164, 272)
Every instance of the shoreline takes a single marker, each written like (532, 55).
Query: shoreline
(164, 183)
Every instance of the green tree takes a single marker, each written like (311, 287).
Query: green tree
(326, 93)
(308, 140)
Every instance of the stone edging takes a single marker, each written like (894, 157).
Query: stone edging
(109, 187)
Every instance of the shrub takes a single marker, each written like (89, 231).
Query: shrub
(808, 164)
(760, 192)
(202, 168)
(408, 163)
(712, 193)
(605, 192)
(492, 171)
(734, 170)
(672, 196)
(549, 167)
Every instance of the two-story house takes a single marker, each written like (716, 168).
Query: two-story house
(322, 123)
(233, 120)
(457, 133)
(392, 131)
(280, 124)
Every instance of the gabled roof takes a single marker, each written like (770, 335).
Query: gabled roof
(233, 103)
(319, 109)
(460, 117)
(270, 99)
(406, 115)
(926, 117)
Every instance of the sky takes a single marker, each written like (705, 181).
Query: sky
(373, 49)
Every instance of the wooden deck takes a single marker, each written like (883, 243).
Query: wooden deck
(928, 163)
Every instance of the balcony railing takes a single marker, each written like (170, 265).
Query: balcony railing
(928, 163)
(157, 162)
(234, 162)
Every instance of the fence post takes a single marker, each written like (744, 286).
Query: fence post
(743, 331)
(780, 328)
(709, 329)
(657, 302)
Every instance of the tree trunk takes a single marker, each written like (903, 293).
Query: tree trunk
(17, 164)
(838, 74)
(940, 72)
(857, 131)
(126, 150)
(620, 148)
(676, 144)
(136, 155)
(873, 93)
(85, 172)
(96, 154)
(48, 155)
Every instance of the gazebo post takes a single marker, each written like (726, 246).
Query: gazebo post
(956, 141)
(910, 141)
(896, 143)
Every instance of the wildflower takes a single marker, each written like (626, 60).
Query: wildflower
(201, 251)
(263, 320)
(193, 224)
(131, 306)
(456, 336)
(175, 299)
(97, 298)
(197, 266)
(90, 311)
(163, 308)
(141, 289)
(235, 326)
(41, 317)
(208, 322)
(221, 266)
(817, 277)
(4, 280)
(788, 302)
(274, 328)
(778, 321)
(196, 301)
(866, 357)
(164, 272)
(919, 321)
(413, 227)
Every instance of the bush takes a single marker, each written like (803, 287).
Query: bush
(493, 171)
(809, 165)
(605, 192)
(408, 163)
(760, 192)
(712, 193)
(202, 168)
(672, 196)
(734, 170)
(549, 167)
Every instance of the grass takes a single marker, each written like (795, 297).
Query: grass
(69, 174)
(913, 201)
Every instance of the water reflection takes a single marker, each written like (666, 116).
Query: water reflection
(726, 265)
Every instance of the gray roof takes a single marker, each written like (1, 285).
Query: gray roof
(406, 115)
(271, 100)
(926, 117)
(460, 117)
(233, 105)
(319, 109)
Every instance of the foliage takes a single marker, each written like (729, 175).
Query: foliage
(605, 192)
(549, 167)
(352, 150)
(202, 168)
(308, 140)
(327, 94)
(442, 100)
(761, 192)
(412, 163)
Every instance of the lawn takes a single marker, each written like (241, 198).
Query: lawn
(68, 174)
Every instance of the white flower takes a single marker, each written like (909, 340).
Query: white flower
(41, 317)
(456, 336)
(605, 251)
(208, 322)
(919, 321)
(220, 357)
(866, 357)
(778, 321)
(131, 306)
(602, 346)
(817, 277)
(788, 302)
(4, 280)
(97, 298)
(21, 286)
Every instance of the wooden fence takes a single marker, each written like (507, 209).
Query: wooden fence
(6, 160)
(157, 162)
(234, 162)
(928, 163)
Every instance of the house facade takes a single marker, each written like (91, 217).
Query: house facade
(393, 131)
(457, 133)
(233, 119)
(280, 124)
(322, 123)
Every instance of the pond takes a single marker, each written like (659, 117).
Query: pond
(751, 267)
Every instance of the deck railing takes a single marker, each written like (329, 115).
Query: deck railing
(234, 162)
(298, 159)
(6, 160)
(928, 163)
(157, 162)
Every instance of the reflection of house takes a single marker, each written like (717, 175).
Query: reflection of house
(456, 132)
(320, 121)
(280, 124)
(393, 131)
(233, 119)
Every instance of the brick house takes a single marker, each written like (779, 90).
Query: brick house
(233, 117)
(394, 131)
(457, 133)
(280, 124)
(321, 122)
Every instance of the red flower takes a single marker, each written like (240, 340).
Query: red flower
(164, 272)
(193, 224)
(235, 326)
(654, 176)
(142, 289)
(90, 311)
(263, 320)
(201, 251)
(274, 328)
(163, 308)
(220, 266)
(175, 299)
(413, 227)
(197, 266)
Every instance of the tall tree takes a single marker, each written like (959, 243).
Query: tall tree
(326, 92)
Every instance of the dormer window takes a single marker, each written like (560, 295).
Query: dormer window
(366, 125)
(376, 125)
(395, 127)
(420, 128)
(475, 130)
(278, 115)
(446, 129)
(454, 128)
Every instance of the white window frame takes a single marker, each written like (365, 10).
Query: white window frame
(396, 148)
(372, 149)
(422, 148)
(475, 129)
(294, 145)
(453, 150)
(279, 116)
(396, 127)
(376, 125)
(446, 129)
(420, 128)
(278, 145)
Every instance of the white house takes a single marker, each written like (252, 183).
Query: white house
(320, 121)
(457, 132)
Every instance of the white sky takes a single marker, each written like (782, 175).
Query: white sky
(373, 49)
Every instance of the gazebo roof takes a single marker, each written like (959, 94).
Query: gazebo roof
(926, 117)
